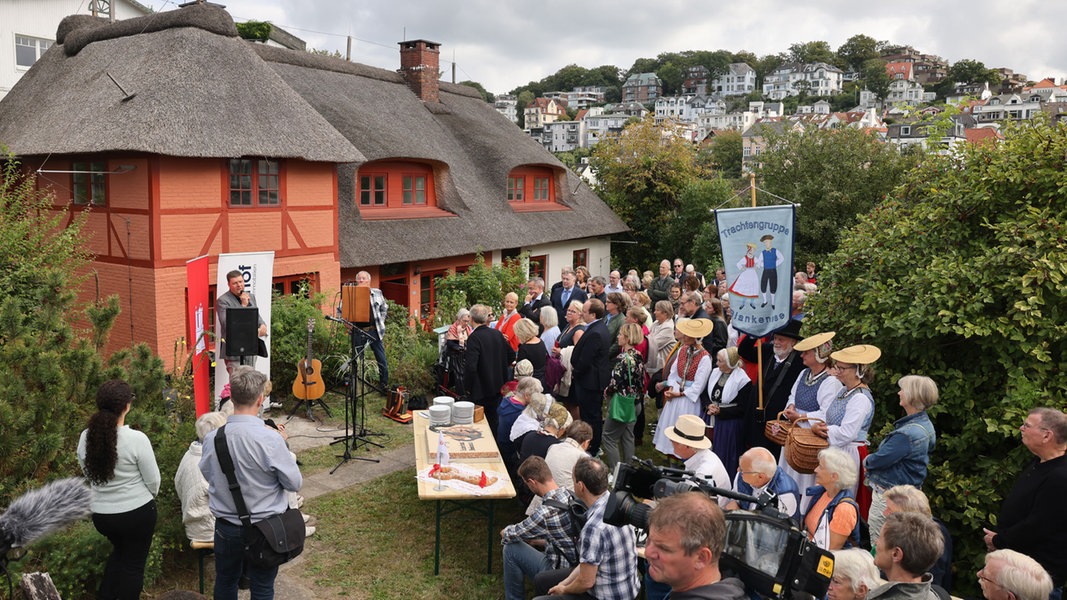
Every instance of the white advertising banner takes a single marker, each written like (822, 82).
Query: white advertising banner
(257, 269)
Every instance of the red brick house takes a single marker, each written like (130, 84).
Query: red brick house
(182, 140)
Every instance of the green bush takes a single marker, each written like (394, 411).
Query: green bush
(289, 339)
(480, 284)
(961, 275)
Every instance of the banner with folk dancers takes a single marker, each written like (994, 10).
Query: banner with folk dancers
(757, 252)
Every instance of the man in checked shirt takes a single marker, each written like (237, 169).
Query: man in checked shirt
(545, 539)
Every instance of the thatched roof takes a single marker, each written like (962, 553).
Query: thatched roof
(197, 90)
(479, 147)
(192, 88)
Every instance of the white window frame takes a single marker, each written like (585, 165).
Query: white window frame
(40, 46)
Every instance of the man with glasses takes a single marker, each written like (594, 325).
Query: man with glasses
(1031, 519)
(679, 271)
(614, 283)
(1010, 575)
(758, 473)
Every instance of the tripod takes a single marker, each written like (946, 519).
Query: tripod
(355, 399)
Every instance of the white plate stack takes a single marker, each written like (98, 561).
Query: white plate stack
(463, 413)
(440, 415)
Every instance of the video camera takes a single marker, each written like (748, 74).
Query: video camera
(764, 547)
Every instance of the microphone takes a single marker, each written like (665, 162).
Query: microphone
(39, 512)
(335, 319)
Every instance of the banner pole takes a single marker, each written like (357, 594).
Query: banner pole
(759, 346)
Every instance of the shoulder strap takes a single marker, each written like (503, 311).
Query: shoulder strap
(222, 450)
(856, 539)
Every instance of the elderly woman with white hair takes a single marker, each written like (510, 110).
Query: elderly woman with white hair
(855, 575)
(549, 328)
(813, 391)
(832, 517)
(727, 383)
(904, 455)
(191, 486)
(456, 338)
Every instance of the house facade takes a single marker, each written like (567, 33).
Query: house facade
(789, 79)
(738, 80)
(28, 29)
(334, 166)
(642, 88)
(543, 111)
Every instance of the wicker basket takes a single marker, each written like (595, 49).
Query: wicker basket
(777, 430)
(802, 447)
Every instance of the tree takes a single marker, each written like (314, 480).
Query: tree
(481, 90)
(524, 99)
(857, 50)
(875, 78)
(836, 175)
(726, 154)
(961, 275)
(972, 71)
(640, 174)
(812, 52)
(672, 77)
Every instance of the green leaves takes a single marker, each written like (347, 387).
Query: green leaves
(961, 275)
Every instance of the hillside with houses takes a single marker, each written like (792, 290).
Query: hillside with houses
(892, 91)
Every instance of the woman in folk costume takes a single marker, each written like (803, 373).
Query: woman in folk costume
(727, 384)
(687, 380)
(813, 390)
(848, 417)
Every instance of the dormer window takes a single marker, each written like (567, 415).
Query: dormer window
(533, 188)
(396, 189)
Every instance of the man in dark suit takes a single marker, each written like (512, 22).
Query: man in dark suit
(781, 367)
(567, 291)
(536, 299)
(591, 369)
(486, 369)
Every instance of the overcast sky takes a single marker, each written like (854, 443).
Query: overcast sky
(503, 44)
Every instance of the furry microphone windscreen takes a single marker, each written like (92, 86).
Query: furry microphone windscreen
(40, 512)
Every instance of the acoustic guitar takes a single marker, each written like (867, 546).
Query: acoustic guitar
(308, 384)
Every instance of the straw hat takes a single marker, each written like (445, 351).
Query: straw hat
(814, 341)
(695, 328)
(862, 354)
(689, 431)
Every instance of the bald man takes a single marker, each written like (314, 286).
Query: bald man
(758, 472)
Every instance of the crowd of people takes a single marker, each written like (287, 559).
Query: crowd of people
(565, 377)
(625, 343)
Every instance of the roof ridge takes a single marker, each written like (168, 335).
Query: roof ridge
(75, 33)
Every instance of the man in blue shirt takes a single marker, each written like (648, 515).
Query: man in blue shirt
(265, 471)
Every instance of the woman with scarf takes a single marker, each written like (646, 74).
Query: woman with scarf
(813, 390)
(727, 383)
(506, 323)
(688, 378)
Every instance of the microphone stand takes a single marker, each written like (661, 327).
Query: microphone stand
(355, 401)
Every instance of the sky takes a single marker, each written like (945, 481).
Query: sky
(503, 44)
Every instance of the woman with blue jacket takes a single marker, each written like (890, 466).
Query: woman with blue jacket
(903, 456)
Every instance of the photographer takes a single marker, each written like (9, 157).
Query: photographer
(607, 554)
(686, 535)
(548, 527)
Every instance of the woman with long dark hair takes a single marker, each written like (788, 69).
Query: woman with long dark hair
(122, 471)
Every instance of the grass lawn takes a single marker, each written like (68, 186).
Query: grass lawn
(377, 542)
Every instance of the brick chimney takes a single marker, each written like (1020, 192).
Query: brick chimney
(420, 62)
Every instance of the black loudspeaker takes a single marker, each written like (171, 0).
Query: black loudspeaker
(242, 327)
